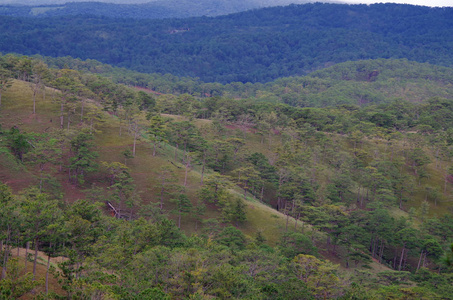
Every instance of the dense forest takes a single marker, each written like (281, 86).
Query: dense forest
(157, 9)
(362, 83)
(115, 192)
(254, 46)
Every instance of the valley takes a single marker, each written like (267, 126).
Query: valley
(230, 161)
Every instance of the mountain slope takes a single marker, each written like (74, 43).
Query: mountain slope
(144, 167)
(157, 9)
(367, 82)
(351, 185)
(255, 46)
(364, 82)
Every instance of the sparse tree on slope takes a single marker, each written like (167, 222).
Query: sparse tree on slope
(5, 82)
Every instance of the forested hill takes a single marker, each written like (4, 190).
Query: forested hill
(359, 83)
(253, 46)
(151, 10)
(362, 83)
(146, 196)
(157, 9)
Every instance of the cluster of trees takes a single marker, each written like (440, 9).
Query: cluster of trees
(73, 151)
(339, 169)
(149, 259)
(253, 46)
(361, 83)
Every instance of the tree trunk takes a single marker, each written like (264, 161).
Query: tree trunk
(135, 141)
(184, 153)
(6, 252)
(419, 260)
(36, 260)
(162, 196)
(4, 260)
(27, 246)
(202, 168)
(401, 259)
(187, 170)
(6, 256)
(381, 251)
(47, 274)
(61, 115)
(358, 195)
(394, 258)
(375, 247)
(269, 140)
(262, 193)
(34, 101)
(81, 111)
(424, 258)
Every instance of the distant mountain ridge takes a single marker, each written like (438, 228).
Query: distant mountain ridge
(60, 2)
(140, 9)
(254, 46)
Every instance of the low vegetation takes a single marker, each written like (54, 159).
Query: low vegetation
(171, 196)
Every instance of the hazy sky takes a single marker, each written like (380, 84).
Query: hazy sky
(414, 2)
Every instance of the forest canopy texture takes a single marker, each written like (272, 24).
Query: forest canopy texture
(253, 46)
(236, 183)
(141, 195)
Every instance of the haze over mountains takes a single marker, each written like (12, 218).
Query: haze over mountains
(253, 46)
(145, 8)
(156, 9)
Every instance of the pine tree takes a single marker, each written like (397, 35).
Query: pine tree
(183, 206)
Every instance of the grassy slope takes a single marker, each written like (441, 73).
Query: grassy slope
(435, 179)
(41, 269)
(17, 110)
